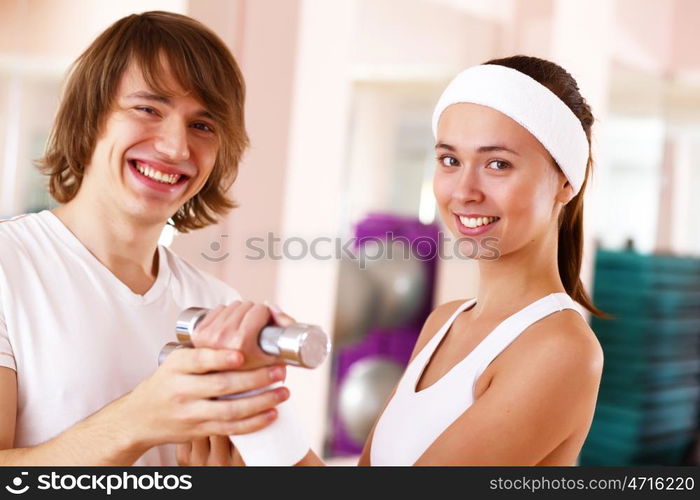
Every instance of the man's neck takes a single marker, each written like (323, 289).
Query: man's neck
(125, 247)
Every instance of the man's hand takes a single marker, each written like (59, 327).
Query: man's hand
(237, 326)
(176, 404)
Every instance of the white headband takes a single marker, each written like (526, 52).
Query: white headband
(529, 103)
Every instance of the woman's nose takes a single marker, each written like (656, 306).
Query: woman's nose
(468, 187)
(172, 140)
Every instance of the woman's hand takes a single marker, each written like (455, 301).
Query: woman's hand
(208, 451)
(237, 326)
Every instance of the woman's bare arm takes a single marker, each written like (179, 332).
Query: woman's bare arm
(531, 406)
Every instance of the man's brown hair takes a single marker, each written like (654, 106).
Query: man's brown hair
(198, 60)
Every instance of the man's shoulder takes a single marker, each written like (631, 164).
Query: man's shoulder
(18, 223)
(195, 280)
(16, 234)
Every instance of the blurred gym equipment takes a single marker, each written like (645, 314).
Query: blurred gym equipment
(385, 293)
(368, 384)
(647, 409)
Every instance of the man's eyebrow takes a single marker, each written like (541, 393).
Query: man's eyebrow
(480, 149)
(150, 96)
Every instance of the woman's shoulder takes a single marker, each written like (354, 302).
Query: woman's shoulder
(564, 342)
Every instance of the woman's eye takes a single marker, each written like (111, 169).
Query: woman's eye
(498, 165)
(449, 161)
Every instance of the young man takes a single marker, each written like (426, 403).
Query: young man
(150, 130)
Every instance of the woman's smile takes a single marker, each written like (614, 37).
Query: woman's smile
(473, 224)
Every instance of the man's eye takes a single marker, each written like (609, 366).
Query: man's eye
(498, 165)
(147, 109)
(448, 161)
(203, 127)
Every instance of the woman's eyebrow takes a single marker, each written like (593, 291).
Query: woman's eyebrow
(496, 147)
(480, 149)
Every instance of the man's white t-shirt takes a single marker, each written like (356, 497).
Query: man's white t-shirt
(78, 337)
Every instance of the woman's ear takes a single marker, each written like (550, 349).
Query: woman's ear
(565, 193)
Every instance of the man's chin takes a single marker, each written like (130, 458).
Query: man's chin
(151, 213)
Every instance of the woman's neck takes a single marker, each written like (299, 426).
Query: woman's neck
(518, 278)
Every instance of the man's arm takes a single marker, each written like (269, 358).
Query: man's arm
(173, 405)
(8, 408)
(89, 442)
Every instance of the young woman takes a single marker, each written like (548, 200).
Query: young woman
(511, 376)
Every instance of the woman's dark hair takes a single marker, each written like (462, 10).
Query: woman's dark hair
(570, 241)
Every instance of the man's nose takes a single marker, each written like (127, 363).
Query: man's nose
(172, 140)
(468, 186)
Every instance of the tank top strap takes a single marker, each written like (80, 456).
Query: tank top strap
(415, 368)
(506, 332)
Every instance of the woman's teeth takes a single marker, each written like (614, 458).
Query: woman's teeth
(157, 175)
(479, 221)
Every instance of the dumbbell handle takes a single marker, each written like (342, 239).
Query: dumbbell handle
(298, 344)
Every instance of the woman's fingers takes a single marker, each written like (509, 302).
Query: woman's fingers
(210, 316)
(280, 318)
(236, 317)
(236, 325)
(182, 453)
(222, 332)
(220, 450)
(207, 450)
(255, 319)
(200, 451)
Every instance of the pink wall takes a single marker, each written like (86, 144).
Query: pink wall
(661, 36)
(686, 40)
(62, 29)
(268, 64)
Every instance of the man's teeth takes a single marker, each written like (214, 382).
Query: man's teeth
(479, 221)
(157, 175)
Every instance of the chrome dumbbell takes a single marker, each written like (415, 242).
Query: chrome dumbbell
(299, 344)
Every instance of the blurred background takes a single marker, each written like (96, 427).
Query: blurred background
(340, 95)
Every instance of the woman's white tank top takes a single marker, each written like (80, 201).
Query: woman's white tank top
(413, 420)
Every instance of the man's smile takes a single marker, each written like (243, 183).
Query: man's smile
(160, 178)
